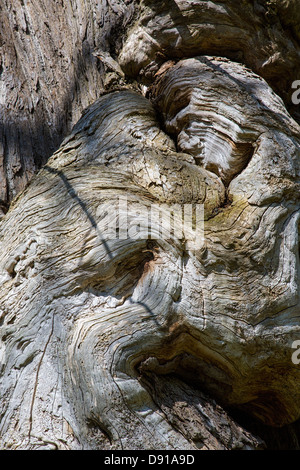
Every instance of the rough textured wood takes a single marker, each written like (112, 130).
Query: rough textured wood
(81, 312)
(56, 58)
(48, 75)
(256, 33)
(132, 343)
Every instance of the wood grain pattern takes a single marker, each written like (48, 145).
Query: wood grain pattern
(135, 343)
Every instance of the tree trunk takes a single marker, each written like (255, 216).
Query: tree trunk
(48, 75)
(123, 326)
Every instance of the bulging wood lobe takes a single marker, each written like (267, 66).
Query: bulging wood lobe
(89, 319)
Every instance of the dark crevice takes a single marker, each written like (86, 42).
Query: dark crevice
(276, 438)
(227, 202)
(129, 272)
(167, 390)
(195, 415)
(189, 380)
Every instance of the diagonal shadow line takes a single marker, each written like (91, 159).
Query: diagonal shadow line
(178, 19)
(148, 309)
(71, 191)
(176, 13)
(82, 204)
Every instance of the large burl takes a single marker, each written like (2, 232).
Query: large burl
(115, 342)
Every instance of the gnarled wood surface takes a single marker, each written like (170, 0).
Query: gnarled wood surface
(56, 58)
(134, 343)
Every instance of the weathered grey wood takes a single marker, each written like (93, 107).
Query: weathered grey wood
(144, 344)
(57, 57)
(48, 75)
(82, 312)
(255, 32)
